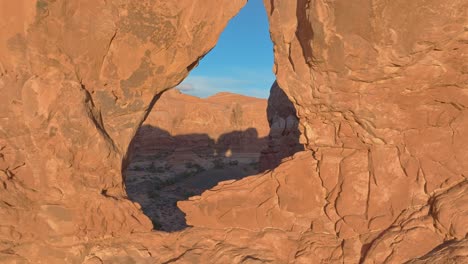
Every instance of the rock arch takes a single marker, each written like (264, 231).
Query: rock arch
(379, 91)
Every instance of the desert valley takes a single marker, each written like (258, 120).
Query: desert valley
(358, 155)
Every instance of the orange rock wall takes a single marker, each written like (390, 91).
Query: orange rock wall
(222, 121)
(380, 93)
(77, 79)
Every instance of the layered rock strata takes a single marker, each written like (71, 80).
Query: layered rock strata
(77, 79)
(380, 93)
(189, 144)
(224, 122)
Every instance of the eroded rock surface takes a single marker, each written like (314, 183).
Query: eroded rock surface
(379, 88)
(77, 79)
(382, 108)
(224, 122)
(189, 144)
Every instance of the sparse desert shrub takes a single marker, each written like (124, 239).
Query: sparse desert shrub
(233, 162)
(131, 179)
(151, 168)
(170, 181)
(158, 155)
(138, 168)
(254, 165)
(156, 224)
(157, 186)
(218, 164)
(198, 168)
(153, 194)
(195, 166)
(185, 174)
(189, 194)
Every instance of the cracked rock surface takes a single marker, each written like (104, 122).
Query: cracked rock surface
(380, 94)
(382, 109)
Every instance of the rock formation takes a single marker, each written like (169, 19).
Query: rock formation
(189, 144)
(383, 113)
(203, 123)
(283, 139)
(379, 88)
(77, 80)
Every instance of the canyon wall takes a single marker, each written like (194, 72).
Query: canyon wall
(222, 122)
(379, 88)
(77, 79)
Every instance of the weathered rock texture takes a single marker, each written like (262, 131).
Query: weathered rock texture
(187, 145)
(381, 95)
(222, 122)
(77, 79)
(380, 92)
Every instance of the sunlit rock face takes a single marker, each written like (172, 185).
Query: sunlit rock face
(224, 123)
(77, 79)
(380, 93)
(379, 89)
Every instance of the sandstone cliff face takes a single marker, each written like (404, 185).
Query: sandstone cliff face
(224, 121)
(77, 79)
(380, 93)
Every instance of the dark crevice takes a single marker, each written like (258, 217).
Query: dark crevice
(304, 31)
(96, 118)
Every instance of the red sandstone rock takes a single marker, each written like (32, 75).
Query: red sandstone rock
(380, 93)
(77, 79)
(381, 110)
(224, 121)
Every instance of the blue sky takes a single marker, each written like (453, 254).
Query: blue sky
(242, 60)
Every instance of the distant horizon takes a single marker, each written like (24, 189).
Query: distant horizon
(217, 93)
(241, 62)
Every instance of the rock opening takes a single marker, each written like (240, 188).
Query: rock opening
(188, 145)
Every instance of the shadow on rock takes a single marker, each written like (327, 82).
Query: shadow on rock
(165, 168)
(283, 140)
